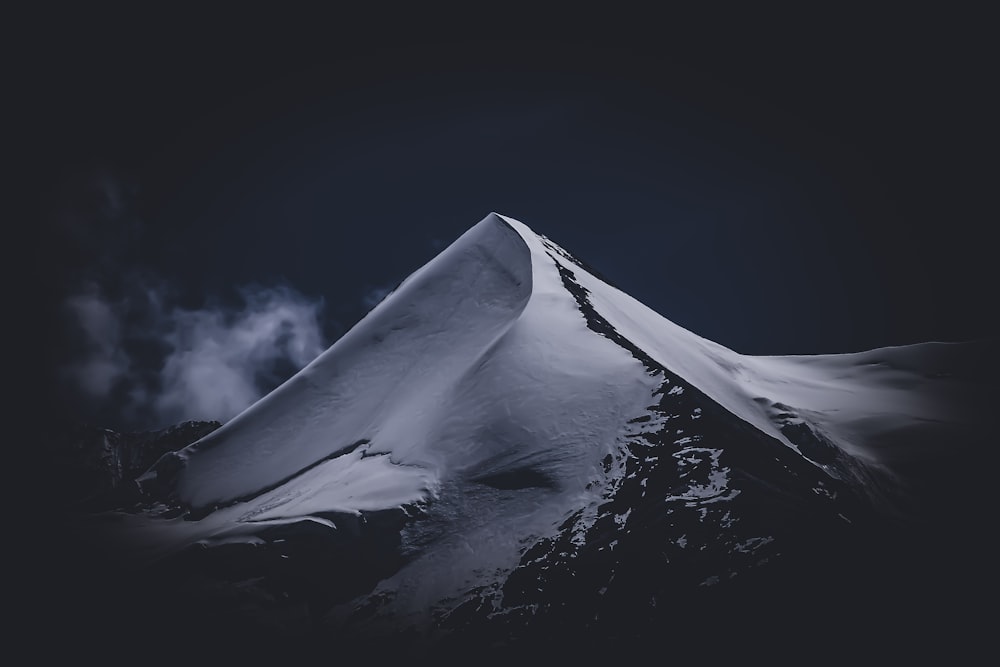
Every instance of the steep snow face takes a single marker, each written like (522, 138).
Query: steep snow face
(479, 365)
(384, 383)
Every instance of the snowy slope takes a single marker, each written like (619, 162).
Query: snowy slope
(471, 367)
(504, 415)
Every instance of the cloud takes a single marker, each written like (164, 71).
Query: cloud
(222, 360)
(126, 353)
(102, 362)
(167, 363)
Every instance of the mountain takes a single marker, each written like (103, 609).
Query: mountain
(508, 452)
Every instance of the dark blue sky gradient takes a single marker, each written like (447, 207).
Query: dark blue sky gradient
(815, 185)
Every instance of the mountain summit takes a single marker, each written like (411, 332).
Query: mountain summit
(507, 451)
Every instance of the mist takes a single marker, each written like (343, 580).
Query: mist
(161, 363)
(136, 346)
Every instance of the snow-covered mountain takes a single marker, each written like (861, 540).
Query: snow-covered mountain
(507, 449)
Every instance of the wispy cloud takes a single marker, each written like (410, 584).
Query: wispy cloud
(221, 361)
(102, 362)
(129, 354)
(128, 344)
(175, 363)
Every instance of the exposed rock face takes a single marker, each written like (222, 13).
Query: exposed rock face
(95, 468)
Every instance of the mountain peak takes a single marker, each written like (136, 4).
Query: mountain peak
(506, 437)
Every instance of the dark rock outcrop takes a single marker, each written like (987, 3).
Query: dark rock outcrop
(95, 468)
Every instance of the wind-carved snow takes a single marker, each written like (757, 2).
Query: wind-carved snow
(391, 379)
(349, 483)
(505, 433)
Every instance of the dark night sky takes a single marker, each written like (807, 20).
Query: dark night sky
(812, 184)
